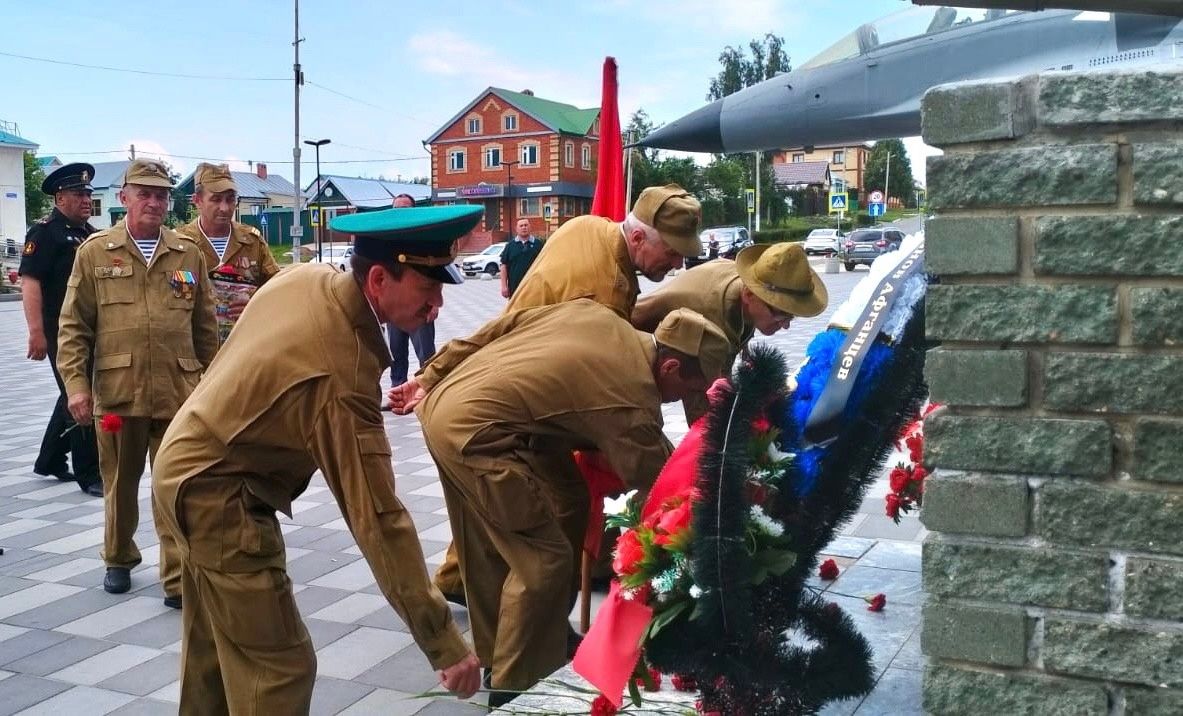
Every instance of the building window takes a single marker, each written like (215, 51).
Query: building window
(585, 156)
(456, 160)
(530, 206)
(839, 157)
(493, 157)
(569, 154)
(96, 207)
(509, 122)
(529, 157)
(472, 125)
(798, 158)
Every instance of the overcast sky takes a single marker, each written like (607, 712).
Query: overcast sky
(380, 76)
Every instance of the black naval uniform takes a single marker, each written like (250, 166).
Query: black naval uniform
(48, 256)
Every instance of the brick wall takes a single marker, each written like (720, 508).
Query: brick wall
(1055, 569)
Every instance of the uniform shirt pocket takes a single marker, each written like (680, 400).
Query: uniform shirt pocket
(114, 382)
(114, 288)
(374, 448)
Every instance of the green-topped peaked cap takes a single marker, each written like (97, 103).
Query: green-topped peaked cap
(423, 238)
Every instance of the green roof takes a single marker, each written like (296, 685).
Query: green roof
(14, 141)
(557, 116)
(561, 117)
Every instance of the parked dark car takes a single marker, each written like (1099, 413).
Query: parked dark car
(865, 245)
(721, 242)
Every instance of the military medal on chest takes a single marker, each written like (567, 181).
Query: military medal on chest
(182, 283)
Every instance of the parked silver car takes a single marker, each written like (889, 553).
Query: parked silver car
(822, 241)
(865, 245)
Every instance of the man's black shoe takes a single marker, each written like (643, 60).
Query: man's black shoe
(62, 473)
(118, 580)
(94, 489)
(173, 602)
(456, 598)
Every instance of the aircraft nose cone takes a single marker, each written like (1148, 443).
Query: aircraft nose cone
(699, 131)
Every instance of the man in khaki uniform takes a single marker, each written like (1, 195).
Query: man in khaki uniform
(247, 442)
(593, 257)
(501, 417)
(596, 258)
(234, 253)
(763, 289)
(138, 307)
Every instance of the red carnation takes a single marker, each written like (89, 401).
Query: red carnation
(893, 506)
(877, 602)
(674, 520)
(110, 423)
(828, 570)
(684, 682)
(654, 676)
(898, 479)
(757, 492)
(629, 554)
(761, 425)
(602, 707)
(919, 473)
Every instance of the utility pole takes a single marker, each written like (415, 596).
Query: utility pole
(132, 152)
(757, 191)
(628, 174)
(297, 230)
(886, 191)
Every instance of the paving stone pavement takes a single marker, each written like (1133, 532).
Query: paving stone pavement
(68, 647)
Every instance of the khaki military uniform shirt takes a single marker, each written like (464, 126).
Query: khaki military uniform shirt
(148, 328)
(508, 393)
(712, 289)
(247, 251)
(586, 258)
(310, 400)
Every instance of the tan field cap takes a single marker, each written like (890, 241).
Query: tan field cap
(687, 331)
(148, 172)
(779, 275)
(675, 213)
(214, 178)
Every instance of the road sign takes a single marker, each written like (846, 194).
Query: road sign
(263, 220)
(875, 209)
(837, 203)
(876, 197)
(314, 217)
(750, 195)
(296, 232)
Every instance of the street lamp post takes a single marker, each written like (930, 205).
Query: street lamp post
(508, 194)
(319, 210)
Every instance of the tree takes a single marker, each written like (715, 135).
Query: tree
(902, 182)
(36, 201)
(768, 60)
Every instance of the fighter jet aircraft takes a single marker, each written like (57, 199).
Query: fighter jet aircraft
(868, 85)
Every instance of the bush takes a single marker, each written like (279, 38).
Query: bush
(776, 236)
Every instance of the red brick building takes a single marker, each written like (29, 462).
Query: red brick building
(521, 156)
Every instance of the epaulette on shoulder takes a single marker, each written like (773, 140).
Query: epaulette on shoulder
(180, 235)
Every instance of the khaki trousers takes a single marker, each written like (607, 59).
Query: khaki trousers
(568, 495)
(244, 648)
(515, 562)
(121, 463)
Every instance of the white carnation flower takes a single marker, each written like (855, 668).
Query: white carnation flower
(766, 524)
(618, 505)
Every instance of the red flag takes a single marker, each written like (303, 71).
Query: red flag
(612, 646)
(609, 200)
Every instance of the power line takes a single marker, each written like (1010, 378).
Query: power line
(225, 160)
(153, 73)
(351, 98)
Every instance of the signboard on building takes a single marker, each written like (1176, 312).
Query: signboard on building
(480, 190)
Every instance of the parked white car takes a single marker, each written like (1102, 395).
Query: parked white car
(336, 254)
(487, 261)
(822, 241)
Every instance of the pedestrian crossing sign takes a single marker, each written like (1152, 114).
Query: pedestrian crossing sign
(837, 202)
